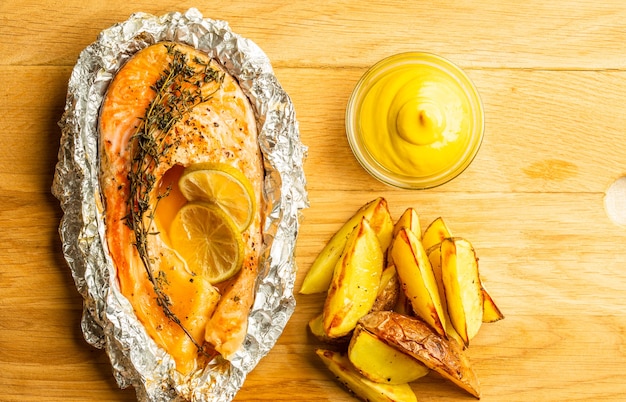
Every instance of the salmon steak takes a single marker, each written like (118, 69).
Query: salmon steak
(169, 108)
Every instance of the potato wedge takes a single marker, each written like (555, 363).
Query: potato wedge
(418, 280)
(388, 291)
(363, 388)
(382, 223)
(435, 233)
(491, 312)
(408, 220)
(316, 326)
(434, 256)
(320, 274)
(355, 281)
(413, 337)
(463, 289)
(379, 362)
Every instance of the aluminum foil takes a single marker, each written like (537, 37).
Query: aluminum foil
(108, 320)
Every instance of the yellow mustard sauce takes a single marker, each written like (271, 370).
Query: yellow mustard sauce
(416, 120)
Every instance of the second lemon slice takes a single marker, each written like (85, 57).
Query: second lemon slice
(222, 185)
(208, 240)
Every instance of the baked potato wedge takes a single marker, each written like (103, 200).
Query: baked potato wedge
(435, 233)
(463, 289)
(355, 282)
(408, 220)
(388, 291)
(379, 362)
(418, 280)
(320, 274)
(434, 256)
(364, 389)
(491, 312)
(417, 339)
(316, 326)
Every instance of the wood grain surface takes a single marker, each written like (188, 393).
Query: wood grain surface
(552, 77)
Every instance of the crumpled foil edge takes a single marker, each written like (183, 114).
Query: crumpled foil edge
(108, 320)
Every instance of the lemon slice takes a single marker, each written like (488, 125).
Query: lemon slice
(222, 185)
(208, 240)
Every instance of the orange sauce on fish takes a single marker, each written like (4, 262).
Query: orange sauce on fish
(169, 206)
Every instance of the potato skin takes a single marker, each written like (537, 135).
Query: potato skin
(415, 338)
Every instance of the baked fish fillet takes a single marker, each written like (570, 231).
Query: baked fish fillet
(207, 118)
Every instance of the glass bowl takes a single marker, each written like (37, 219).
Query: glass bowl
(414, 121)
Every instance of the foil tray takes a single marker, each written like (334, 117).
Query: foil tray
(108, 321)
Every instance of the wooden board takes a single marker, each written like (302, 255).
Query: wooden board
(552, 77)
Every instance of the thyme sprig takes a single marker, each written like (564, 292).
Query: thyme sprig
(177, 91)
